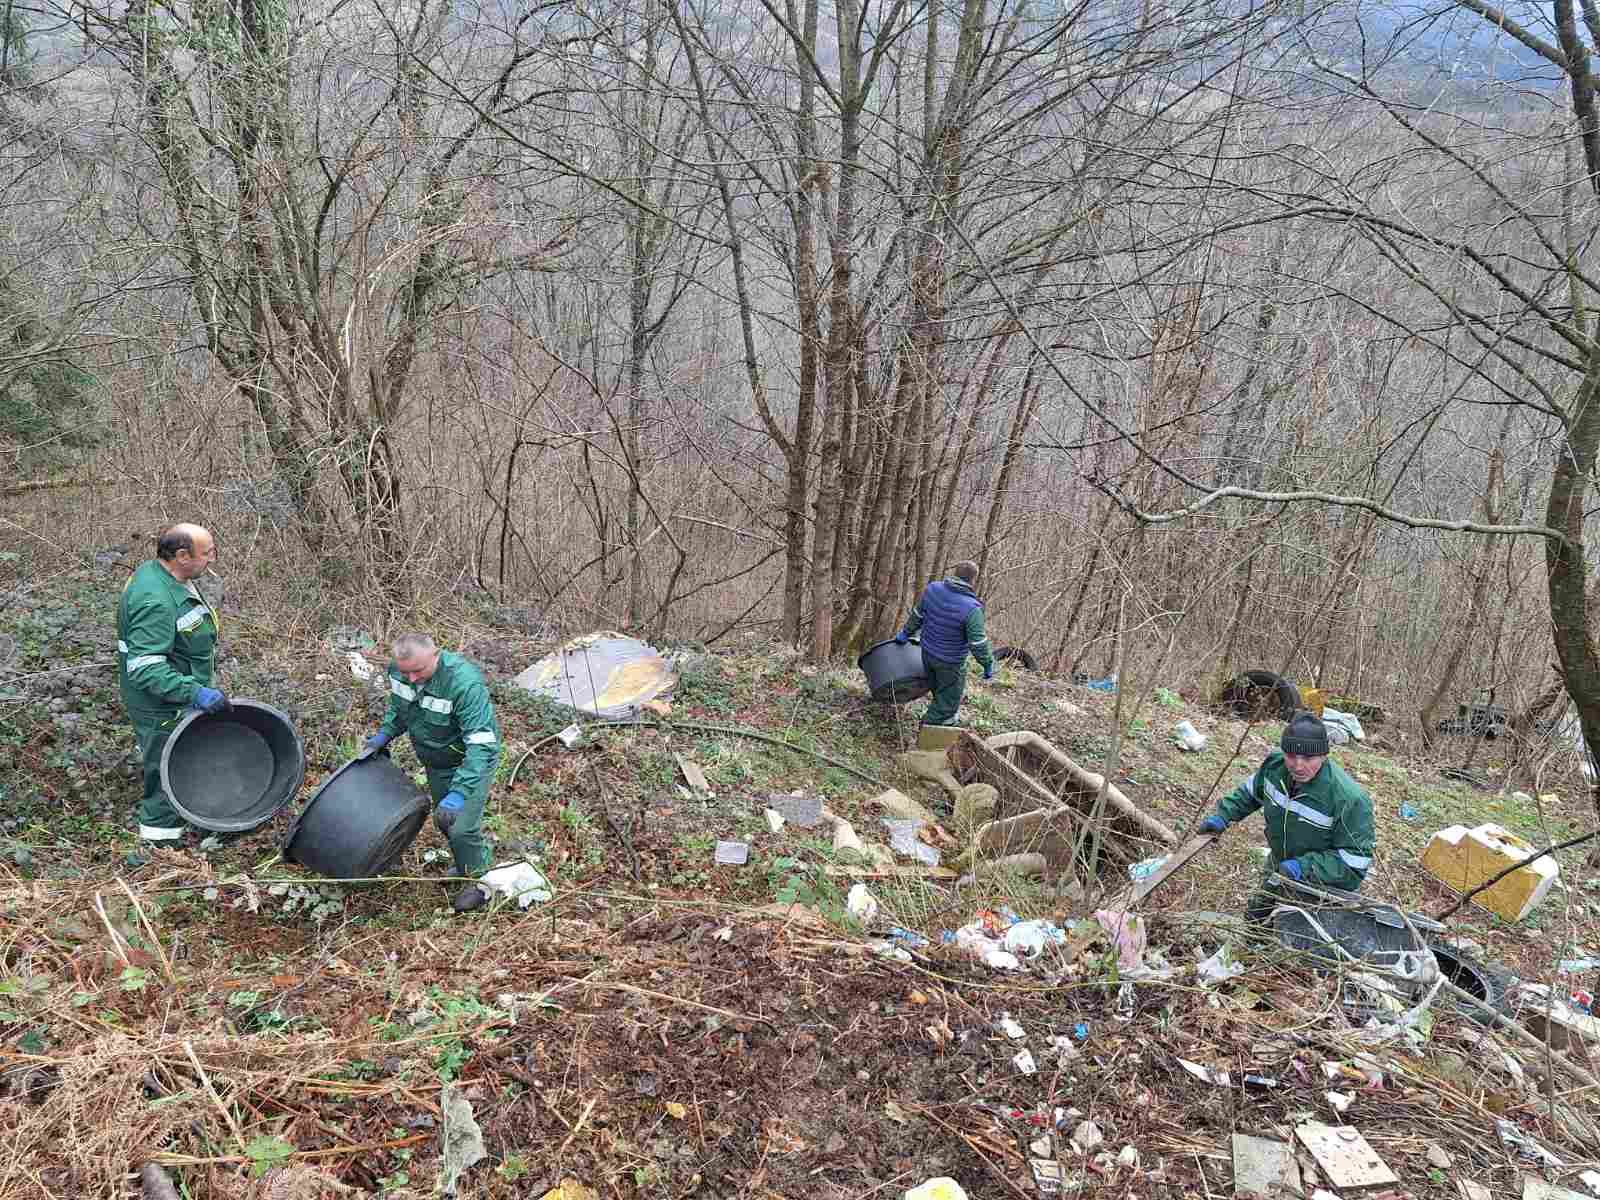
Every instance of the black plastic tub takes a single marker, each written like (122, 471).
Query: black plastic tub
(359, 821)
(232, 771)
(894, 671)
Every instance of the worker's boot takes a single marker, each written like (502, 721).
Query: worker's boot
(470, 899)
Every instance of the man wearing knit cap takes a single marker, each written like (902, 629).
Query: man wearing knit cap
(1318, 820)
(950, 618)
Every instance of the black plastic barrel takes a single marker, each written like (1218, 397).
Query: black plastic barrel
(231, 771)
(359, 821)
(894, 671)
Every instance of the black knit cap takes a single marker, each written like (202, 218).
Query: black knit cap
(1304, 735)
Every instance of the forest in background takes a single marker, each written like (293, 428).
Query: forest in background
(1222, 334)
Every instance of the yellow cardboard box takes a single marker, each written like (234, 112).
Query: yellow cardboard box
(1462, 858)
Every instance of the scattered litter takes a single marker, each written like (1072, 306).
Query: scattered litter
(1263, 1167)
(844, 838)
(359, 666)
(1128, 1156)
(1220, 967)
(1534, 1188)
(461, 1141)
(1081, 1032)
(1027, 939)
(1344, 1155)
(1571, 966)
(1206, 1074)
(887, 949)
(1516, 1140)
(1048, 1176)
(519, 881)
(692, 774)
(1127, 930)
(1108, 684)
(1346, 723)
(941, 1187)
(1062, 1045)
(1410, 813)
(1463, 858)
(774, 820)
(1591, 1180)
(1024, 1062)
(1188, 737)
(569, 736)
(1087, 1136)
(861, 904)
(1582, 999)
(1147, 867)
(1553, 1017)
(1438, 1156)
(604, 674)
(571, 1189)
(1008, 1026)
(732, 854)
(675, 1110)
(903, 838)
(1471, 1189)
(909, 938)
(1341, 1101)
(804, 811)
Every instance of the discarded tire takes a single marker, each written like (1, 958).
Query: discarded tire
(1261, 692)
(1017, 655)
(1487, 982)
(231, 771)
(359, 821)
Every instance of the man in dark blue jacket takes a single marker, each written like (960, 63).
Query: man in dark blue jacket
(950, 616)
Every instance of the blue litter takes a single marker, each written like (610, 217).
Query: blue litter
(1081, 1032)
(1408, 812)
(907, 937)
(1108, 684)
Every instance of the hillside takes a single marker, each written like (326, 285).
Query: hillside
(667, 1026)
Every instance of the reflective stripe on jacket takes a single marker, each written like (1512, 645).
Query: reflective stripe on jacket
(166, 640)
(450, 719)
(1325, 824)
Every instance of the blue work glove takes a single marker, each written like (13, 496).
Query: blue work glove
(902, 637)
(1291, 868)
(988, 672)
(208, 699)
(1213, 824)
(449, 808)
(373, 744)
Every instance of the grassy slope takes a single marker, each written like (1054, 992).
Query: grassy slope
(630, 851)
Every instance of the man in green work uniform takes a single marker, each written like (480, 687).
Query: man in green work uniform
(1318, 820)
(440, 699)
(950, 616)
(166, 647)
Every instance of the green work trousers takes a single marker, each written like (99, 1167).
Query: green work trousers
(468, 846)
(158, 820)
(949, 682)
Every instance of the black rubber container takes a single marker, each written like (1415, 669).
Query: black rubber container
(359, 821)
(232, 771)
(894, 671)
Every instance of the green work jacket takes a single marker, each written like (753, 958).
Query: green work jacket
(450, 719)
(166, 641)
(1325, 824)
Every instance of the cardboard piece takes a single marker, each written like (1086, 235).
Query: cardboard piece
(1344, 1155)
(1564, 1026)
(1534, 1188)
(1462, 858)
(938, 737)
(1264, 1169)
(692, 774)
